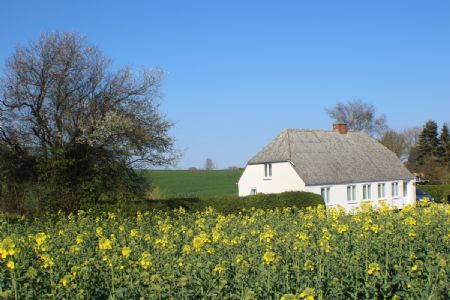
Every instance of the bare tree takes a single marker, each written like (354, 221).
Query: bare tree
(359, 115)
(411, 137)
(395, 142)
(61, 101)
(209, 164)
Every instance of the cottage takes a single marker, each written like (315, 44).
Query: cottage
(346, 168)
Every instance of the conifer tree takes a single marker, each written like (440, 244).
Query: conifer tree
(444, 145)
(428, 144)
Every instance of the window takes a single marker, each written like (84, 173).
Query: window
(405, 189)
(267, 170)
(325, 192)
(367, 192)
(381, 190)
(253, 191)
(395, 189)
(351, 193)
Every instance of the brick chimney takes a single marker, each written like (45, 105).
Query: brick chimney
(340, 127)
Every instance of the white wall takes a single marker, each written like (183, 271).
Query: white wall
(338, 194)
(283, 179)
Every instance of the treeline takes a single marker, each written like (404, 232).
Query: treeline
(431, 156)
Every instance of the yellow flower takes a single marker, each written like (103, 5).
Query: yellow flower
(239, 258)
(40, 238)
(200, 241)
(10, 265)
(79, 239)
(410, 221)
(303, 237)
(374, 268)
(145, 260)
(308, 294)
(267, 235)
(11, 252)
(134, 232)
(269, 257)
(161, 242)
(342, 228)
(186, 249)
(74, 249)
(126, 251)
(288, 297)
(3, 253)
(47, 260)
(64, 281)
(309, 265)
(414, 268)
(375, 228)
(104, 244)
(218, 269)
(99, 231)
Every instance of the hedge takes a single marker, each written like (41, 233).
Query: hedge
(438, 192)
(226, 204)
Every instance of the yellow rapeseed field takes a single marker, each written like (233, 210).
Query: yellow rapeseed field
(255, 254)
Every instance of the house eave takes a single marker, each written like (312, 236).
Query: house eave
(358, 181)
(268, 162)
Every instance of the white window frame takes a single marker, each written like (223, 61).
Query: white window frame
(367, 192)
(394, 189)
(325, 193)
(268, 170)
(351, 193)
(382, 191)
(405, 188)
(253, 191)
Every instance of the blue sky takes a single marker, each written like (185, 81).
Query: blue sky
(239, 72)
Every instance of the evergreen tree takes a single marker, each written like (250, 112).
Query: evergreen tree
(444, 145)
(428, 144)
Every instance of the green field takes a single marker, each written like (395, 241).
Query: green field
(195, 183)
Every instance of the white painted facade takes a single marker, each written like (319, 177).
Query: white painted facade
(338, 194)
(283, 178)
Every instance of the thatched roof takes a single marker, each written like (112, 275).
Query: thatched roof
(328, 157)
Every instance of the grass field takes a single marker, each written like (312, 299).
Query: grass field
(195, 183)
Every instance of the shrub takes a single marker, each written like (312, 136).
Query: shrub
(438, 192)
(232, 204)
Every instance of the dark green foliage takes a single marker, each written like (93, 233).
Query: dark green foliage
(439, 192)
(432, 158)
(428, 142)
(444, 145)
(413, 160)
(228, 204)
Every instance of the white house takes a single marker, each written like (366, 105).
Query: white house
(346, 168)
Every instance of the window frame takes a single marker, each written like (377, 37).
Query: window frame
(253, 191)
(394, 188)
(351, 193)
(268, 170)
(327, 190)
(367, 192)
(405, 189)
(383, 190)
